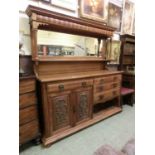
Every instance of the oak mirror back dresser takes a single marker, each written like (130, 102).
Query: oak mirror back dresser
(76, 89)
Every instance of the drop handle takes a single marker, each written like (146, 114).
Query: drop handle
(61, 87)
(101, 97)
(84, 84)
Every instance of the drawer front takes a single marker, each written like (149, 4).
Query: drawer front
(108, 86)
(107, 95)
(28, 114)
(107, 79)
(58, 87)
(27, 85)
(27, 99)
(28, 131)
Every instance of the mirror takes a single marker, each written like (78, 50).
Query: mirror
(63, 44)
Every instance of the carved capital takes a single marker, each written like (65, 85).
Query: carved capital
(34, 16)
(35, 25)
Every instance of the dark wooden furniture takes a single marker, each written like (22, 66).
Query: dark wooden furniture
(75, 90)
(127, 95)
(127, 64)
(127, 60)
(28, 111)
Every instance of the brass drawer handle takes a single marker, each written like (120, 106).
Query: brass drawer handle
(101, 97)
(84, 84)
(61, 87)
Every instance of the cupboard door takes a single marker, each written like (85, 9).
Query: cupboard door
(60, 111)
(83, 107)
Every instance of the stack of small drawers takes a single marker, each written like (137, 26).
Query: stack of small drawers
(28, 113)
(106, 88)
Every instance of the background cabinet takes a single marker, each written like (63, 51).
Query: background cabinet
(28, 111)
(127, 60)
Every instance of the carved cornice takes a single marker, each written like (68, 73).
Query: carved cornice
(58, 22)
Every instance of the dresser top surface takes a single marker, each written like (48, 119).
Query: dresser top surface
(79, 75)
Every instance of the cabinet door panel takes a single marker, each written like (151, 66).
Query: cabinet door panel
(60, 109)
(84, 104)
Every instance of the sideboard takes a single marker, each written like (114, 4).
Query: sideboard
(76, 91)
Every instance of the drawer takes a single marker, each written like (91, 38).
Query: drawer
(57, 87)
(106, 79)
(108, 86)
(27, 85)
(107, 95)
(28, 131)
(27, 99)
(28, 114)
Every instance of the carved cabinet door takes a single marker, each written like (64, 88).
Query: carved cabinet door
(60, 111)
(83, 105)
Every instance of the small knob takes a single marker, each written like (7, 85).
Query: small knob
(101, 97)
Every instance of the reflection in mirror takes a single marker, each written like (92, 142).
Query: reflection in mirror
(62, 44)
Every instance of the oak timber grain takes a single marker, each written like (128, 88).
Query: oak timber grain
(55, 87)
(28, 110)
(105, 79)
(28, 114)
(70, 59)
(47, 127)
(77, 75)
(107, 86)
(27, 99)
(67, 67)
(28, 131)
(27, 85)
(106, 95)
